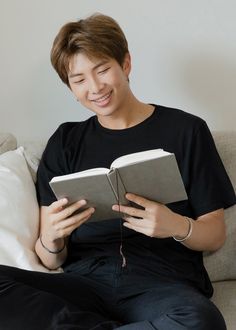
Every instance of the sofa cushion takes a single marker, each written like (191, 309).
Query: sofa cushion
(7, 142)
(19, 213)
(221, 264)
(224, 299)
(33, 151)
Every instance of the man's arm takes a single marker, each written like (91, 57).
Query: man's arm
(208, 231)
(57, 222)
(50, 260)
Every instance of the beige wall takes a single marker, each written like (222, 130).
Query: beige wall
(184, 55)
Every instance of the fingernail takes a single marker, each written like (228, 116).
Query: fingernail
(82, 202)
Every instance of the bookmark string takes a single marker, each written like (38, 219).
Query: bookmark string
(124, 263)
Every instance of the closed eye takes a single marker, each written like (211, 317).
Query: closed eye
(78, 81)
(103, 71)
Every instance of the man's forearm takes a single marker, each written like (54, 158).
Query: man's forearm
(51, 260)
(208, 232)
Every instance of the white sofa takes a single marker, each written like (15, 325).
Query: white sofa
(221, 265)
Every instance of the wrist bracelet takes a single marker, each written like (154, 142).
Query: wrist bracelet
(190, 229)
(50, 251)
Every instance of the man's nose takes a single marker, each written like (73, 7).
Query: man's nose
(95, 86)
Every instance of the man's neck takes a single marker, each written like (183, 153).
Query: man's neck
(134, 113)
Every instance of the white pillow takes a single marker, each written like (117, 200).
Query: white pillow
(19, 213)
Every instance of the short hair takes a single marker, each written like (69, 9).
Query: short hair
(97, 36)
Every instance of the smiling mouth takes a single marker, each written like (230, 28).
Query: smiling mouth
(102, 98)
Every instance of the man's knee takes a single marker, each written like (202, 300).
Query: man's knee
(195, 317)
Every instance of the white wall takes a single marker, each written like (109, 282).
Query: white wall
(184, 55)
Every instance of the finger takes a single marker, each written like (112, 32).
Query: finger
(78, 224)
(138, 200)
(77, 219)
(67, 226)
(68, 230)
(134, 227)
(132, 211)
(134, 221)
(57, 206)
(69, 210)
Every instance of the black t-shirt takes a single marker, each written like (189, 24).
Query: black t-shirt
(77, 146)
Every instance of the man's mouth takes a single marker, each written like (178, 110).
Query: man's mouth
(103, 98)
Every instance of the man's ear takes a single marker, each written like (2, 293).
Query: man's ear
(127, 64)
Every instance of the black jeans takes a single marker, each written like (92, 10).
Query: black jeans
(99, 294)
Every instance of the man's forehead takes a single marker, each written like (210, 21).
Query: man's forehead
(80, 62)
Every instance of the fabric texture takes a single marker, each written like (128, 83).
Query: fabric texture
(33, 152)
(220, 264)
(103, 293)
(225, 299)
(78, 146)
(19, 213)
(7, 142)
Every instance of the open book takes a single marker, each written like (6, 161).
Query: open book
(153, 174)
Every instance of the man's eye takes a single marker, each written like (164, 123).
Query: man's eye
(103, 71)
(78, 81)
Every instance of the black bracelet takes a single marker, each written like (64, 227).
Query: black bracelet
(50, 251)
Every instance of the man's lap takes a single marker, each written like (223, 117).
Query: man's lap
(120, 294)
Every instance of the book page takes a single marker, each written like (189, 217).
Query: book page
(138, 157)
(82, 174)
(95, 189)
(156, 179)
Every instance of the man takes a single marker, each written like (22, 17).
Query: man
(131, 273)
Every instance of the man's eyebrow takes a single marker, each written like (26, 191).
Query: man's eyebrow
(72, 75)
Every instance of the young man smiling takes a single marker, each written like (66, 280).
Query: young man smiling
(103, 88)
(129, 273)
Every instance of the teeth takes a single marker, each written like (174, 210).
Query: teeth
(103, 98)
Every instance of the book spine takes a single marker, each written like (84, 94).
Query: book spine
(112, 179)
(118, 186)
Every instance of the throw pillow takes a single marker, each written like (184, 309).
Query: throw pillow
(19, 213)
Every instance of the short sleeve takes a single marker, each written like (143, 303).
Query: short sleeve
(52, 164)
(210, 187)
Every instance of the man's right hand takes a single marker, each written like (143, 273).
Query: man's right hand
(57, 222)
(59, 219)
